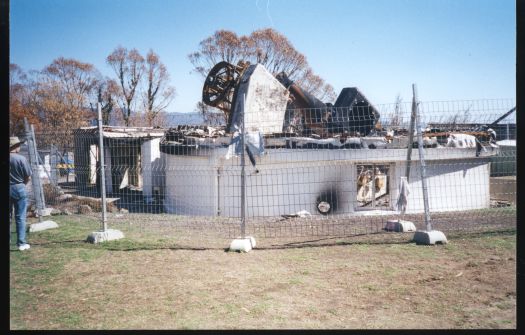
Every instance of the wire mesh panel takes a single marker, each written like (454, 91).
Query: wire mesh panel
(326, 171)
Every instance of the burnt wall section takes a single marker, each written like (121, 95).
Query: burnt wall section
(353, 113)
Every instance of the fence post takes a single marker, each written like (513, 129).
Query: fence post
(102, 167)
(33, 160)
(428, 236)
(422, 164)
(411, 138)
(243, 173)
(106, 234)
(243, 243)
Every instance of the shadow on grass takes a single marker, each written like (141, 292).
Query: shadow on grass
(174, 248)
(384, 238)
(111, 247)
(315, 243)
(57, 242)
(381, 238)
(489, 233)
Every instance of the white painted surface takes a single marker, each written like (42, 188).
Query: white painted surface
(93, 153)
(44, 225)
(242, 244)
(266, 100)
(292, 180)
(452, 185)
(104, 236)
(150, 164)
(191, 185)
(507, 143)
(461, 141)
(42, 174)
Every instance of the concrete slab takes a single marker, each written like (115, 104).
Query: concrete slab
(242, 244)
(430, 237)
(103, 236)
(44, 225)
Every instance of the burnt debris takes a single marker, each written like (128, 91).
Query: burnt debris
(305, 115)
(351, 114)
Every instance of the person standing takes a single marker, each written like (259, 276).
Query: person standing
(19, 176)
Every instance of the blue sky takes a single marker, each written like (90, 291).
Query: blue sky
(452, 49)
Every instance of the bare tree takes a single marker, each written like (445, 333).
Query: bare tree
(397, 117)
(158, 93)
(211, 116)
(273, 50)
(62, 92)
(223, 45)
(265, 46)
(107, 91)
(129, 68)
(466, 115)
(460, 117)
(20, 101)
(316, 86)
(76, 79)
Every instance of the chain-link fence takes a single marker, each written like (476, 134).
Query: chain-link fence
(328, 171)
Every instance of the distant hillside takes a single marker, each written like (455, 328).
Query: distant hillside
(175, 119)
(192, 119)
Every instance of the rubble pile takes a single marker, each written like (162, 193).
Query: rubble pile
(352, 122)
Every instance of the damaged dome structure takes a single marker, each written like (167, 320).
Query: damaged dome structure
(311, 156)
(275, 98)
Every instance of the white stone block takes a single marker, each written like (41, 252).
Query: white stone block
(44, 212)
(103, 236)
(44, 225)
(407, 226)
(401, 226)
(430, 237)
(242, 244)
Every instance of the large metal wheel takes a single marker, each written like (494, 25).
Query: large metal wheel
(219, 85)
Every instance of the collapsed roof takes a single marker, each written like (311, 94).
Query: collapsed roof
(302, 113)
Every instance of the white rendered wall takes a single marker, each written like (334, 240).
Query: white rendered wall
(191, 185)
(281, 188)
(291, 180)
(151, 167)
(453, 185)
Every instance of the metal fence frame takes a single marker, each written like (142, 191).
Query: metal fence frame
(293, 223)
